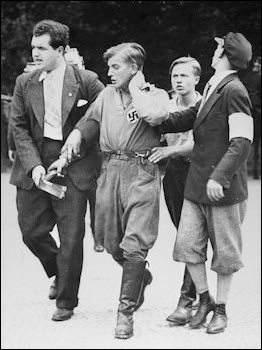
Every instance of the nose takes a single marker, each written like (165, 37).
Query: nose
(109, 73)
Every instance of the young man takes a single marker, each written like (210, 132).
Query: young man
(127, 202)
(46, 105)
(185, 74)
(216, 188)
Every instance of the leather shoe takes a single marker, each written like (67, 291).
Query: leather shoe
(146, 281)
(205, 306)
(98, 247)
(218, 322)
(182, 313)
(62, 314)
(53, 290)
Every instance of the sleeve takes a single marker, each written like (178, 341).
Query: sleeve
(24, 143)
(240, 119)
(237, 153)
(180, 121)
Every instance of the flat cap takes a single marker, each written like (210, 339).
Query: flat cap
(238, 50)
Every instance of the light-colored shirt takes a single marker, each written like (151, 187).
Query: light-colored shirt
(53, 88)
(180, 138)
(121, 128)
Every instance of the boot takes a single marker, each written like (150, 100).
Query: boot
(132, 280)
(147, 279)
(206, 304)
(183, 312)
(218, 322)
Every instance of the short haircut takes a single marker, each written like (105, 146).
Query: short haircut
(191, 60)
(131, 52)
(59, 33)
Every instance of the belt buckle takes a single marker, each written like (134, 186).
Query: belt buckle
(142, 157)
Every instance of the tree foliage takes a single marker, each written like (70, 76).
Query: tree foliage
(167, 30)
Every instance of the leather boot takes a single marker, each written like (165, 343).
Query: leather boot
(218, 322)
(132, 279)
(147, 279)
(206, 304)
(182, 313)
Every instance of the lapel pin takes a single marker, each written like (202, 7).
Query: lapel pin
(70, 94)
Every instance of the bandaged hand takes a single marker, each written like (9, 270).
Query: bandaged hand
(137, 82)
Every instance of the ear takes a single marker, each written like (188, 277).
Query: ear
(197, 80)
(134, 69)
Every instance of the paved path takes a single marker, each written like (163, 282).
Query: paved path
(26, 310)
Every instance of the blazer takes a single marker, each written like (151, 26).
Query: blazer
(27, 123)
(210, 158)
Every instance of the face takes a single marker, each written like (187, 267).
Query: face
(120, 72)
(218, 52)
(45, 56)
(183, 79)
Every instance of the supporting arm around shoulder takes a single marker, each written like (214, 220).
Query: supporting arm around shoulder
(180, 121)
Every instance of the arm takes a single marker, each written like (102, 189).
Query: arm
(24, 143)
(240, 138)
(180, 121)
(152, 105)
(160, 153)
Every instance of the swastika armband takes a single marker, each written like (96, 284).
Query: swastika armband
(132, 116)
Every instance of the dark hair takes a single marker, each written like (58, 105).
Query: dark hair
(59, 33)
(191, 60)
(132, 52)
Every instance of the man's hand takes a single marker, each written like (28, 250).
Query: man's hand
(59, 165)
(214, 190)
(160, 153)
(37, 173)
(72, 145)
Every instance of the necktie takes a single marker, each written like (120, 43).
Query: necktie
(52, 115)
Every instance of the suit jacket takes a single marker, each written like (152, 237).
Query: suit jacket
(27, 122)
(210, 158)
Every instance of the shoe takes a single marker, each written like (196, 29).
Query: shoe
(182, 313)
(205, 306)
(53, 290)
(146, 281)
(98, 248)
(62, 314)
(218, 321)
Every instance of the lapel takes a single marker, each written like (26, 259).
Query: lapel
(36, 98)
(70, 90)
(203, 112)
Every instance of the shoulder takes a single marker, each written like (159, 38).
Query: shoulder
(84, 74)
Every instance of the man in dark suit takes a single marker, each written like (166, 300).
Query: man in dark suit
(47, 103)
(216, 188)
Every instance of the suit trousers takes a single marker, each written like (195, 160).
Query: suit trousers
(38, 213)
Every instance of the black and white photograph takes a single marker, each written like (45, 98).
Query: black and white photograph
(130, 175)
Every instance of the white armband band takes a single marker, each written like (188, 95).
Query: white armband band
(241, 125)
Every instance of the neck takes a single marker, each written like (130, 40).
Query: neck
(59, 62)
(187, 100)
(222, 66)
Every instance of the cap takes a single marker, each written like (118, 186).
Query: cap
(238, 49)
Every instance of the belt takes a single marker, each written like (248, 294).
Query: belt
(126, 155)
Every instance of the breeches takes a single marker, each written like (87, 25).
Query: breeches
(219, 224)
(127, 207)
